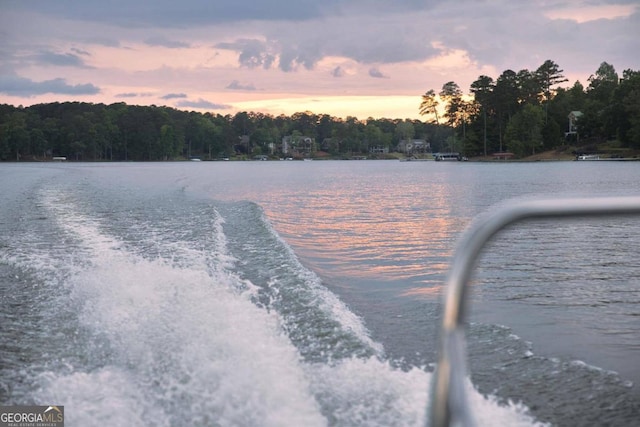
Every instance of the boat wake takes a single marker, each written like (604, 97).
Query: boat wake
(182, 313)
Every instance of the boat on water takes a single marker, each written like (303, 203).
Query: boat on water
(450, 405)
(588, 157)
(444, 157)
(416, 159)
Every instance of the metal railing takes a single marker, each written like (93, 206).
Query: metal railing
(449, 405)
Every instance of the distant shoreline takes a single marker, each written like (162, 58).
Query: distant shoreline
(546, 156)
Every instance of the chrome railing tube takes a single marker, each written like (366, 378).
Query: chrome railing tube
(449, 405)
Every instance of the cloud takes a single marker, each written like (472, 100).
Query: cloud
(19, 86)
(103, 41)
(202, 104)
(377, 74)
(133, 95)
(305, 47)
(293, 56)
(290, 52)
(298, 35)
(533, 37)
(80, 51)
(163, 42)
(358, 37)
(235, 85)
(174, 96)
(59, 59)
(164, 13)
(253, 52)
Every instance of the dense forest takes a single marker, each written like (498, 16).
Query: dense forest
(525, 112)
(522, 112)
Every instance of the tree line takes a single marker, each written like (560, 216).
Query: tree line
(520, 112)
(121, 132)
(524, 112)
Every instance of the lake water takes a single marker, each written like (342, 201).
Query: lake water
(309, 293)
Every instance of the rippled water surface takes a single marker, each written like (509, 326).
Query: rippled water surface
(289, 293)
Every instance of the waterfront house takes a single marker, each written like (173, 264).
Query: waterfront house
(298, 145)
(414, 146)
(573, 118)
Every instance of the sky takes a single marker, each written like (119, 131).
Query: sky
(361, 58)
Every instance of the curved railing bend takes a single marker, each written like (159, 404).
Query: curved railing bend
(449, 406)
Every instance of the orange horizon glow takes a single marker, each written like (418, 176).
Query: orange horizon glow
(361, 107)
(584, 14)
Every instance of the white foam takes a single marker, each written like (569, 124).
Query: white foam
(188, 350)
(181, 335)
(373, 393)
(104, 397)
(488, 412)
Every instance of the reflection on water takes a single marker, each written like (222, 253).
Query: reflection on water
(400, 227)
(430, 291)
(394, 225)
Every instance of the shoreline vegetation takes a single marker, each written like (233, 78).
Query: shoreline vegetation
(519, 116)
(564, 154)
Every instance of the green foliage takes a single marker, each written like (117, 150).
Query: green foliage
(501, 114)
(524, 132)
(452, 97)
(121, 132)
(429, 105)
(405, 130)
(549, 74)
(626, 106)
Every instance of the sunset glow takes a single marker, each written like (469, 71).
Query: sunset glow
(593, 12)
(342, 60)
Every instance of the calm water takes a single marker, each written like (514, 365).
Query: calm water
(308, 293)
